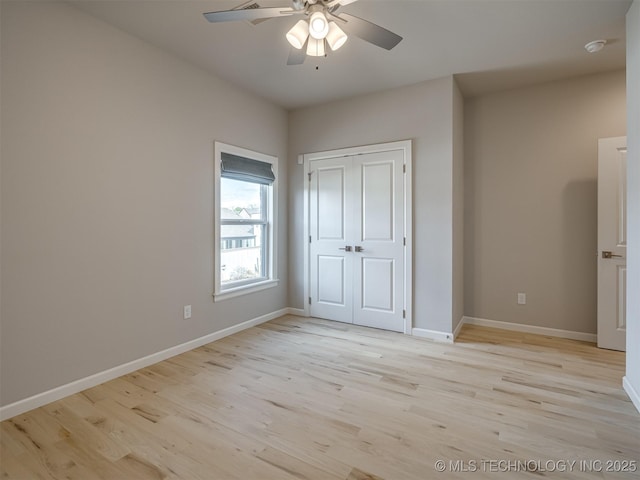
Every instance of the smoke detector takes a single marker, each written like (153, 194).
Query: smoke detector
(595, 46)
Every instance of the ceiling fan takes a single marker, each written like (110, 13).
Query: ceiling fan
(321, 26)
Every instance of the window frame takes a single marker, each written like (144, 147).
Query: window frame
(270, 279)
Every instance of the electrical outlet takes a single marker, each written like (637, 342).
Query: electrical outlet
(187, 312)
(522, 299)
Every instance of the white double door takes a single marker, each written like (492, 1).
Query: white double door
(357, 252)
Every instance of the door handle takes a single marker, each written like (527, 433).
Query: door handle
(346, 249)
(605, 254)
(359, 248)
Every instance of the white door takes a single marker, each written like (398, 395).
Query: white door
(612, 242)
(331, 265)
(357, 239)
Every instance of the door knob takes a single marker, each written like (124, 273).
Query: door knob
(346, 249)
(605, 254)
(359, 248)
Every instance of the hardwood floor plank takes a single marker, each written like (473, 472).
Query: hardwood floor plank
(307, 399)
(12, 467)
(86, 433)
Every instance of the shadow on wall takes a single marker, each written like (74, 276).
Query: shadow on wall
(579, 247)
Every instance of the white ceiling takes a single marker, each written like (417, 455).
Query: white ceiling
(491, 44)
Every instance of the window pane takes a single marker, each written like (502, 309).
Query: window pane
(241, 253)
(242, 247)
(241, 199)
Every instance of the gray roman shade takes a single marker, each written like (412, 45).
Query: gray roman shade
(246, 169)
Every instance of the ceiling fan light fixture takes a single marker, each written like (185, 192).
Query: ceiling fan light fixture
(315, 47)
(298, 34)
(318, 26)
(336, 36)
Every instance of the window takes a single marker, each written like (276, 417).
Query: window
(244, 221)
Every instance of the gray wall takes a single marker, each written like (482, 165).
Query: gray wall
(107, 197)
(424, 114)
(633, 199)
(458, 206)
(530, 195)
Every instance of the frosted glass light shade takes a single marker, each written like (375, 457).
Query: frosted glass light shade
(298, 34)
(318, 26)
(336, 37)
(315, 47)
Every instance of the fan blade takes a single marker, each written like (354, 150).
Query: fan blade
(368, 31)
(297, 57)
(339, 3)
(249, 14)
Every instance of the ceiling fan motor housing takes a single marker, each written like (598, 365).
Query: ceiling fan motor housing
(298, 4)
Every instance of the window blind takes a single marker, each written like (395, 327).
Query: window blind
(246, 169)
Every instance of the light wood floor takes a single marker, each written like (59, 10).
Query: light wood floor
(311, 399)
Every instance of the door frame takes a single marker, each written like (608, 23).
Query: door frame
(405, 147)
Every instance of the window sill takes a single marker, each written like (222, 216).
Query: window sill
(245, 289)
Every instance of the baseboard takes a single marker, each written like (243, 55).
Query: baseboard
(437, 335)
(299, 312)
(456, 332)
(62, 391)
(432, 335)
(517, 327)
(632, 392)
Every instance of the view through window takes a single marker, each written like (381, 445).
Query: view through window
(243, 231)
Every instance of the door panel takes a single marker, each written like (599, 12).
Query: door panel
(379, 207)
(377, 201)
(331, 203)
(377, 284)
(621, 287)
(332, 283)
(330, 267)
(612, 239)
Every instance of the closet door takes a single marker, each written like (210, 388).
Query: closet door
(357, 244)
(378, 271)
(331, 260)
